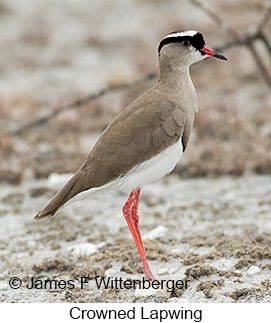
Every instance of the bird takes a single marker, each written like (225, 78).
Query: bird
(146, 139)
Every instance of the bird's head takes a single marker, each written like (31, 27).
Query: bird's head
(185, 47)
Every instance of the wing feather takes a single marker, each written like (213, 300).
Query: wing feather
(138, 133)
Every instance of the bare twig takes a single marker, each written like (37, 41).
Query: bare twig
(81, 102)
(264, 19)
(260, 65)
(267, 44)
(241, 41)
(216, 18)
(245, 40)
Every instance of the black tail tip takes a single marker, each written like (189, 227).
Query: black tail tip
(42, 216)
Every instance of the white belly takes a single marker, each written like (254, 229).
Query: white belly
(144, 173)
(152, 169)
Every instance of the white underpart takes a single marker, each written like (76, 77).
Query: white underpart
(144, 173)
(152, 169)
(87, 193)
(182, 33)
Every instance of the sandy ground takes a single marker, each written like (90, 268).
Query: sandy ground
(213, 232)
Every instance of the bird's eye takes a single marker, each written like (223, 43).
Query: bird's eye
(185, 43)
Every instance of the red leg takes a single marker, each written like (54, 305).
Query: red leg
(130, 212)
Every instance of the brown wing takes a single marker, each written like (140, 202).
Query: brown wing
(138, 133)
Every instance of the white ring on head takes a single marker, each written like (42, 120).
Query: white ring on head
(182, 33)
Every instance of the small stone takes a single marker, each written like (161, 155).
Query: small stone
(238, 272)
(208, 293)
(101, 245)
(3, 286)
(83, 249)
(173, 300)
(22, 255)
(171, 270)
(176, 251)
(140, 292)
(158, 232)
(112, 272)
(253, 270)
(162, 271)
(31, 244)
(56, 181)
(146, 292)
(28, 174)
(182, 300)
(178, 300)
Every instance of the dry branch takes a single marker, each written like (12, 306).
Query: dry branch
(82, 102)
(247, 40)
(230, 31)
(260, 64)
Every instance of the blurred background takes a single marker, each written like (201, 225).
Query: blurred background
(55, 52)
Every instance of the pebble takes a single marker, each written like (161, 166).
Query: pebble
(253, 270)
(140, 292)
(238, 272)
(176, 250)
(3, 286)
(56, 181)
(31, 244)
(171, 270)
(183, 300)
(173, 300)
(83, 249)
(146, 292)
(22, 255)
(28, 174)
(158, 232)
(112, 272)
(163, 271)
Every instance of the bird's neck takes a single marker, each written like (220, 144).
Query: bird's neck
(178, 84)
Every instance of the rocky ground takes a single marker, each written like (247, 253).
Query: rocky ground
(213, 232)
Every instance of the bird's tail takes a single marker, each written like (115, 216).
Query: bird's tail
(70, 189)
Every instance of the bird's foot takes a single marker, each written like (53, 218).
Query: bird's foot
(147, 272)
(149, 276)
